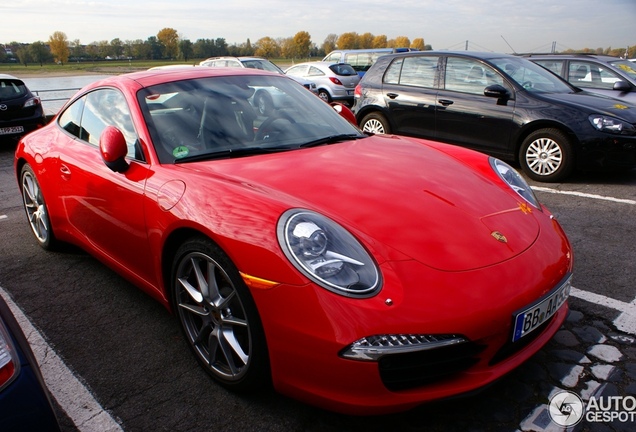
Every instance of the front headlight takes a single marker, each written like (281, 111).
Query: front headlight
(611, 125)
(327, 254)
(515, 181)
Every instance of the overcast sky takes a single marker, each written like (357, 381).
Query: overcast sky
(487, 25)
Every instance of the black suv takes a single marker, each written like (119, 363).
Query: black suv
(607, 75)
(20, 110)
(500, 104)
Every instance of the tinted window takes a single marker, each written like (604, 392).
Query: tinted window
(419, 71)
(343, 69)
(11, 89)
(555, 66)
(591, 75)
(469, 75)
(87, 117)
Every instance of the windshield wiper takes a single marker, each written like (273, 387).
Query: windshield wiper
(231, 153)
(332, 139)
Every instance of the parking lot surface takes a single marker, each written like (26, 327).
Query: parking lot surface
(125, 353)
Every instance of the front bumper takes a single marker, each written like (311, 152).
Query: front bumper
(307, 329)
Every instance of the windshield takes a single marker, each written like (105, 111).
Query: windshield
(625, 66)
(531, 76)
(238, 115)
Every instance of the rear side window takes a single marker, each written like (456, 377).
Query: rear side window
(343, 69)
(418, 71)
(553, 65)
(11, 89)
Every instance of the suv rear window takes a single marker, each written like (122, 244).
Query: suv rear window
(11, 89)
(343, 69)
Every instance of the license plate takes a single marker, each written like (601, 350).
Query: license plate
(534, 316)
(11, 130)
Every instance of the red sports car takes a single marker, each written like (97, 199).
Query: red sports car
(363, 274)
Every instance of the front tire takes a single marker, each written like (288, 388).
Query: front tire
(546, 155)
(218, 316)
(375, 123)
(36, 210)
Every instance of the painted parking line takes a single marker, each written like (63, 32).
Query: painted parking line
(584, 195)
(72, 396)
(626, 321)
(3, 217)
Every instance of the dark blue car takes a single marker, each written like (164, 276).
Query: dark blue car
(25, 404)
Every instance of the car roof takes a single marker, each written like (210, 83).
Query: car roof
(8, 77)
(158, 76)
(471, 54)
(601, 57)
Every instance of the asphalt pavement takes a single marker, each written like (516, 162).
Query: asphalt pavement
(128, 353)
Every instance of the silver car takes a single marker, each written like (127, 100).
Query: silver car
(335, 81)
(606, 75)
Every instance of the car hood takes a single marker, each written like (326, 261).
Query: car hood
(596, 104)
(399, 196)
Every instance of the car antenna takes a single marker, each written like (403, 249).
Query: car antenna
(513, 50)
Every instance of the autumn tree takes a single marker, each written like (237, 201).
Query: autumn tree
(58, 44)
(302, 44)
(348, 41)
(169, 39)
(400, 42)
(379, 42)
(365, 40)
(418, 44)
(267, 47)
(329, 44)
(76, 49)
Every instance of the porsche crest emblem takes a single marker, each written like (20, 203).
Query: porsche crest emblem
(499, 237)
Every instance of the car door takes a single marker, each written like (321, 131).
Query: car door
(409, 90)
(105, 209)
(465, 116)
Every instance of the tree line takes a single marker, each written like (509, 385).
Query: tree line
(168, 44)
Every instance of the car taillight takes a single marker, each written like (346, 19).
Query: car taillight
(335, 80)
(32, 102)
(9, 364)
(357, 92)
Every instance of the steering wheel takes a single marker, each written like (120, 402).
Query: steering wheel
(269, 126)
(527, 84)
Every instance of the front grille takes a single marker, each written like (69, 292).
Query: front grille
(409, 370)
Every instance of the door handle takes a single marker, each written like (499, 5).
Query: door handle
(65, 170)
(445, 102)
(392, 95)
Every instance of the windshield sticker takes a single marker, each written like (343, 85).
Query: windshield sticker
(180, 152)
(627, 68)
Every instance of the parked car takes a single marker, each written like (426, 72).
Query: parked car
(606, 75)
(264, 99)
(361, 59)
(25, 403)
(500, 104)
(334, 81)
(20, 111)
(362, 274)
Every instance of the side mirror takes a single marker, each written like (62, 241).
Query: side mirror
(496, 91)
(344, 112)
(622, 86)
(112, 146)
